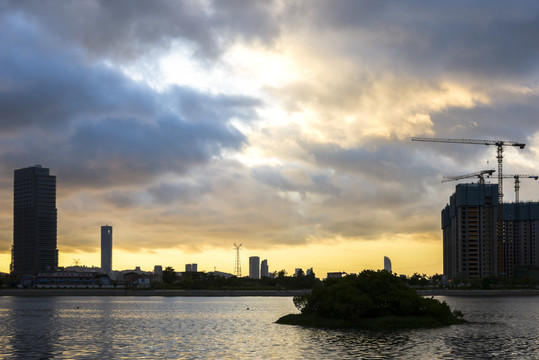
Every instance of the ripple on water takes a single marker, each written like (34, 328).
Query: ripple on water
(204, 328)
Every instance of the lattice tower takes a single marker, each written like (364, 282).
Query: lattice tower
(237, 269)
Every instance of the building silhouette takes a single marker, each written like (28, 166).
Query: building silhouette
(191, 268)
(264, 270)
(34, 221)
(254, 267)
(470, 228)
(106, 249)
(387, 264)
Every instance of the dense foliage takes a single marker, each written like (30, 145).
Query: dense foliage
(371, 294)
(209, 281)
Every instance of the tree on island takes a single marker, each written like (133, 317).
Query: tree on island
(370, 299)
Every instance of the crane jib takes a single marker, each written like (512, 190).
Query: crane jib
(472, 141)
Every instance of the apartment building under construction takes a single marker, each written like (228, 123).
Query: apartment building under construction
(471, 247)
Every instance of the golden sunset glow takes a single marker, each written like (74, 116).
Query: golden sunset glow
(285, 127)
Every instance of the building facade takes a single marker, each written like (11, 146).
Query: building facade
(106, 249)
(34, 221)
(264, 270)
(254, 267)
(387, 264)
(471, 247)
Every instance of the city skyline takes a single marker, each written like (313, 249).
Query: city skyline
(285, 127)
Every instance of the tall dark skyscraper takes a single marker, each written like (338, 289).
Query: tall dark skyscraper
(106, 249)
(34, 221)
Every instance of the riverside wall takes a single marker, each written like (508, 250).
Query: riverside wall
(212, 293)
(491, 292)
(148, 292)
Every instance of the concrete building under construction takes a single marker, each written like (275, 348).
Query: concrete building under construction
(471, 247)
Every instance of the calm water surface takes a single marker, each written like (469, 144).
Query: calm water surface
(244, 328)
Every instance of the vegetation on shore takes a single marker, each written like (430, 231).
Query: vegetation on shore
(207, 281)
(373, 300)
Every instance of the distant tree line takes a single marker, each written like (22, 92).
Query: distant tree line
(209, 281)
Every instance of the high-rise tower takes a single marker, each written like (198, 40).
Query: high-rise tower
(34, 221)
(254, 267)
(387, 264)
(106, 249)
(264, 270)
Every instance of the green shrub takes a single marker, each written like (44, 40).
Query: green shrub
(370, 295)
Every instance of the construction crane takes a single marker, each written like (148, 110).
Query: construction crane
(517, 182)
(499, 144)
(480, 174)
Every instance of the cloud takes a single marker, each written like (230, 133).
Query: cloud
(127, 30)
(94, 125)
(310, 145)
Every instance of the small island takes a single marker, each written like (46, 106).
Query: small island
(370, 300)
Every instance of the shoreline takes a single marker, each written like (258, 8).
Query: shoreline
(239, 293)
(478, 292)
(148, 292)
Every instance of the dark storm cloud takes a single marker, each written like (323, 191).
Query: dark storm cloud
(479, 37)
(128, 29)
(47, 86)
(185, 192)
(95, 125)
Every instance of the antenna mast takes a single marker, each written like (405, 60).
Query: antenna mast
(237, 269)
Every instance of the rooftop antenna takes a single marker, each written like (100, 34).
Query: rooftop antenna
(76, 261)
(237, 269)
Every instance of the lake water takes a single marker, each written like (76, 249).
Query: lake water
(244, 328)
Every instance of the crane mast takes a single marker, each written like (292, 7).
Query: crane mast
(517, 182)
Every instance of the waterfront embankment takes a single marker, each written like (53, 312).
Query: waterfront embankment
(147, 292)
(478, 292)
(212, 293)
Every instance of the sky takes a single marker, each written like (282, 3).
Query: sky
(281, 125)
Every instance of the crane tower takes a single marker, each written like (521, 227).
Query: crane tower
(517, 182)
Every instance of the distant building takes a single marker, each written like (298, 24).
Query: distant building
(106, 249)
(191, 268)
(254, 267)
(65, 279)
(471, 247)
(335, 274)
(309, 272)
(221, 274)
(264, 270)
(34, 221)
(387, 264)
(298, 272)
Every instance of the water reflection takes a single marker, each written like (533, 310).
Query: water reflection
(209, 328)
(31, 331)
